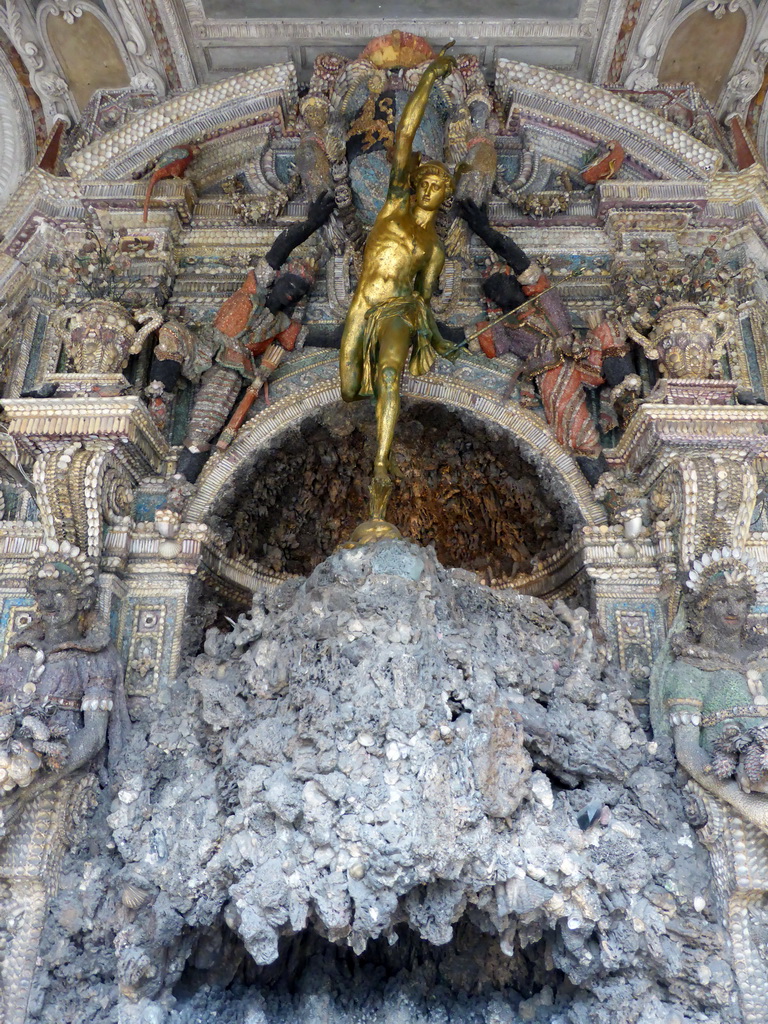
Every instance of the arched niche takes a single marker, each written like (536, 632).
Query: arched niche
(87, 53)
(702, 50)
(484, 480)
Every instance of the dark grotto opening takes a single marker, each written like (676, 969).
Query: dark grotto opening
(397, 979)
(465, 487)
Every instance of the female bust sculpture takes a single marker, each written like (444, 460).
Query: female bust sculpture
(713, 696)
(58, 685)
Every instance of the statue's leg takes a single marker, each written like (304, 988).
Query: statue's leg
(213, 404)
(394, 345)
(23, 907)
(748, 964)
(565, 409)
(351, 355)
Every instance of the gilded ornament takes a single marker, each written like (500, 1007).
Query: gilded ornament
(390, 314)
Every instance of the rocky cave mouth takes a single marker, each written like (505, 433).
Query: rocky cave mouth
(399, 979)
(465, 488)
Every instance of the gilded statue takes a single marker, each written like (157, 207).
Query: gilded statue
(390, 316)
(712, 696)
(60, 694)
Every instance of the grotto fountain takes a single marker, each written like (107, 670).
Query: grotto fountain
(478, 771)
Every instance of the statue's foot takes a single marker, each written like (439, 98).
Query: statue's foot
(592, 467)
(44, 391)
(190, 464)
(376, 528)
(381, 488)
(371, 532)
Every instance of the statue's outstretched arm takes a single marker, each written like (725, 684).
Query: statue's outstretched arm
(413, 113)
(751, 806)
(282, 247)
(477, 218)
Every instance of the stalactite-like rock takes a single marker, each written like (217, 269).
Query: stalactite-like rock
(390, 752)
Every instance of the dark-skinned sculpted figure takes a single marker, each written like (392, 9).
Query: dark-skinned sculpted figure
(560, 362)
(711, 694)
(389, 317)
(60, 696)
(264, 317)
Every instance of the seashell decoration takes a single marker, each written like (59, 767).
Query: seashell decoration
(735, 565)
(133, 896)
(27, 745)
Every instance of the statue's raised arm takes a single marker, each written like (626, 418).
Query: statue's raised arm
(402, 154)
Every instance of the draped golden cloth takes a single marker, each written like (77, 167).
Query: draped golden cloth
(412, 310)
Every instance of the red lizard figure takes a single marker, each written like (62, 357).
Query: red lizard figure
(171, 165)
(606, 165)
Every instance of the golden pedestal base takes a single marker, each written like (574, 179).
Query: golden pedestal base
(370, 532)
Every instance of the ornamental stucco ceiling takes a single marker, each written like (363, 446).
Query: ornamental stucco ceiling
(226, 36)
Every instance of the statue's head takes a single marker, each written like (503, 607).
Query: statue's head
(723, 587)
(291, 285)
(502, 288)
(432, 184)
(314, 110)
(62, 581)
(722, 612)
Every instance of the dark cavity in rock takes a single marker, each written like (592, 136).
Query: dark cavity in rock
(396, 980)
(466, 489)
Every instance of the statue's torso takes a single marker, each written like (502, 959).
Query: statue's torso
(398, 249)
(69, 675)
(720, 696)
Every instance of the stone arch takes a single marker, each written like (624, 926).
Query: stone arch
(558, 101)
(530, 433)
(207, 112)
(579, 108)
(17, 130)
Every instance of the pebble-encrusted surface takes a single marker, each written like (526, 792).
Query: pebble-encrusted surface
(371, 802)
